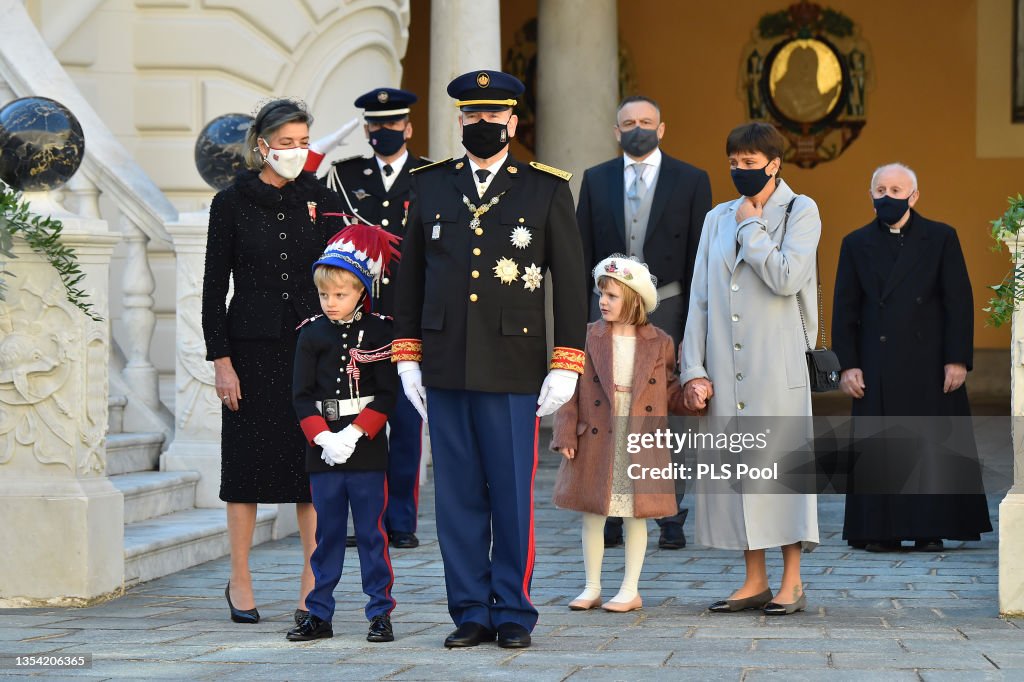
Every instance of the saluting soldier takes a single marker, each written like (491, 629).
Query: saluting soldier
(376, 191)
(485, 233)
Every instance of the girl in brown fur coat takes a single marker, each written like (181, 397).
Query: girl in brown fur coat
(628, 387)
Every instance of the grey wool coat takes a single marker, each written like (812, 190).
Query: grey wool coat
(743, 332)
(586, 424)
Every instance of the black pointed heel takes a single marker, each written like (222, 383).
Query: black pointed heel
(251, 616)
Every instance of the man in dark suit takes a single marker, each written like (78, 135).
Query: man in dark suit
(902, 327)
(648, 205)
(376, 190)
(485, 232)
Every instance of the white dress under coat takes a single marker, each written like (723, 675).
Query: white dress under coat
(743, 332)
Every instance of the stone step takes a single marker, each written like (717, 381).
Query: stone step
(148, 494)
(115, 413)
(171, 543)
(128, 452)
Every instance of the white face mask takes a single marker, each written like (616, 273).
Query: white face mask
(287, 163)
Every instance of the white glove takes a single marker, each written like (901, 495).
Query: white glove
(332, 447)
(558, 387)
(325, 144)
(412, 383)
(348, 437)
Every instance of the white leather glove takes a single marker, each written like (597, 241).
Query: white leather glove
(332, 446)
(558, 387)
(325, 144)
(348, 437)
(412, 383)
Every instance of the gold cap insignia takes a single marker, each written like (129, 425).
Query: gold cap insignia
(382, 97)
(483, 80)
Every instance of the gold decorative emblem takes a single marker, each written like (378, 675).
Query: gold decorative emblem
(532, 277)
(382, 97)
(459, 165)
(506, 270)
(521, 237)
(474, 224)
(513, 169)
(483, 80)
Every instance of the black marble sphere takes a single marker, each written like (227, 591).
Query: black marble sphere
(220, 149)
(41, 144)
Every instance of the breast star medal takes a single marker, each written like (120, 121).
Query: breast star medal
(506, 270)
(521, 237)
(532, 277)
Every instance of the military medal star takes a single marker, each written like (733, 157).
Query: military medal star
(506, 270)
(532, 277)
(521, 237)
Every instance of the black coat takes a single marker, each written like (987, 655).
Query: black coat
(264, 239)
(320, 361)
(479, 333)
(682, 197)
(902, 330)
(361, 179)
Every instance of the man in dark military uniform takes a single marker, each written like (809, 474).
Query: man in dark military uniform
(484, 234)
(376, 190)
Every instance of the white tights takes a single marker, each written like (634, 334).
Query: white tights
(635, 532)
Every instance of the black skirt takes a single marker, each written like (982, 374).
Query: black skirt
(263, 449)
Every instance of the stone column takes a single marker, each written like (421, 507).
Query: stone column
(1011, 509)
(464, 35)
(63, 521)
(577, 83)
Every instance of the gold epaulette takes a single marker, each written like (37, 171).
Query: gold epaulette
(551, 170)
(429, 165)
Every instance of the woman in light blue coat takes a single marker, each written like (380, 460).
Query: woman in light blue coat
(744, 345)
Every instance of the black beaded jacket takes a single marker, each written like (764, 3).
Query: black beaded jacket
(266, 239)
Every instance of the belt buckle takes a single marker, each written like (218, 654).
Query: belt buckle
(331, 411)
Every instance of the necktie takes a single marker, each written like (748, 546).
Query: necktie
(388, 170)
(637, 188)
(482, 175)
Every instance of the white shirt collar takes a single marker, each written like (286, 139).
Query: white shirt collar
(397, 164)
(651, 167)
(494, 168)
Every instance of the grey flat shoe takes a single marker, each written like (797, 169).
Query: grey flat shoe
(732, 605)
(773, 609)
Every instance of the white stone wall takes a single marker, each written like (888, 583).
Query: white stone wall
(158, 70)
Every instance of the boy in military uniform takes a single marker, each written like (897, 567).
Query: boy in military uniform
(344, 388)
(484, 233)
(376, 190)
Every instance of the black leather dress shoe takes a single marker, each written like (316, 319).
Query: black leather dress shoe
(250, 616)
(469, 634)
(310, 628)
(350, 540)
(929, 545)
(400, 540)
(513, 636)
(300, 615)
(672, 536)
(884, 546)
(380, 629)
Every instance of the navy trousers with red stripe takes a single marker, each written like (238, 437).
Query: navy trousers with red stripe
(484, 449)
(404, 450)
(367, 493)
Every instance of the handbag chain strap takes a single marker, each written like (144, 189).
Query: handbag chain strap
(817, 279)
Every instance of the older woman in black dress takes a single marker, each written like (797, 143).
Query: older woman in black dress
(265, 231)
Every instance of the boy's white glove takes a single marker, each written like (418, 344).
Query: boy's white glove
(327, 143)
(412, 384)
(348, 437)
(558, 387)
(331, 444)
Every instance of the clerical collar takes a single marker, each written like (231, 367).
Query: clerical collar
(891, 230)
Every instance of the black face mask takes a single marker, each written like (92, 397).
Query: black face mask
(890, 210)
(638, 141)
(484, 139)
(750, 181)
(386, 142)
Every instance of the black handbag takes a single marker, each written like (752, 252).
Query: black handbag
(823, 368)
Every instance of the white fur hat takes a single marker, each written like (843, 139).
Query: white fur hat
(633, 274)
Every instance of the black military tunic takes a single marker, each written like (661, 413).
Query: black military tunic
(361, 180)
(323, 353)
(475, 294)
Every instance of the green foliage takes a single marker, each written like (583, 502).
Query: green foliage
(42, 234)
(1009, 293)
